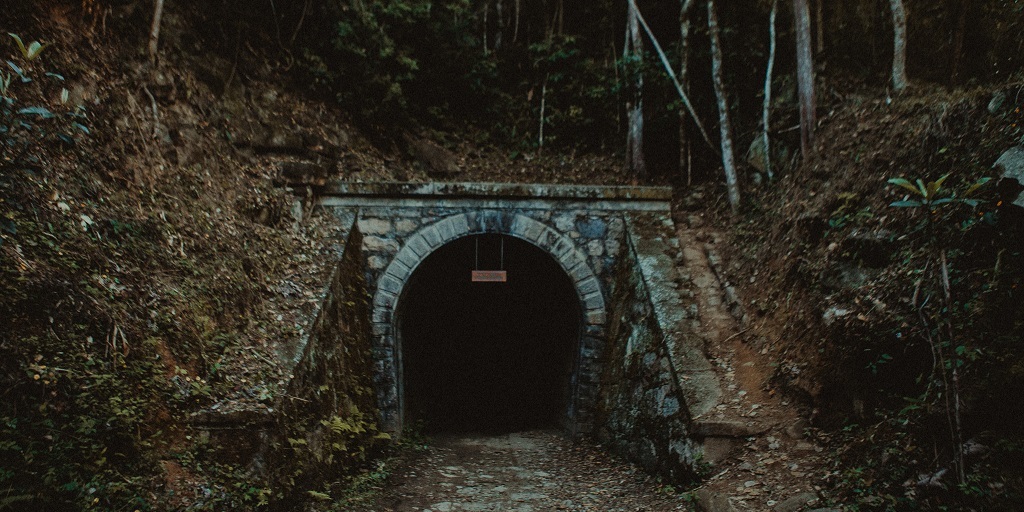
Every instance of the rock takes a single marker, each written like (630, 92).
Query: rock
(872, 249)
(995, 105)
(436, 160)
(756, 155)
(796, 503)
(718, 449)
(811, 227)
(709, 501)
(303, 173)
(834, 313)
(1011, 165)
(726, 428)
(282, 139)
(796, 430)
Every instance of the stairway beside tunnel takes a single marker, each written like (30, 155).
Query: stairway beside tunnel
(488, 357)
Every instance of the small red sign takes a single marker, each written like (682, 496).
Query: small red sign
(489, 276)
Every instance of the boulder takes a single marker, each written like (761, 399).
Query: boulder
(796, 503)
(1011, 166)
(300, 173)
(710, 501)
(436, 160)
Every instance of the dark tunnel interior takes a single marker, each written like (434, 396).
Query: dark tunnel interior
(488, 357)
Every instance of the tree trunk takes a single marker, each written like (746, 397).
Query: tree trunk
(559, 23)
(766, 106)
(154, 30)
(515, 28)
(543, 102)
(805, 75)
(635, 137)
(685, 6)
(819, 19)
(899, 45)
(728, 159)
(498, 36)
(487, 8)
(958, 43)
(670, 71)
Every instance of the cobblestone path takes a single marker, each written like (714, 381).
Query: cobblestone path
(523, 472)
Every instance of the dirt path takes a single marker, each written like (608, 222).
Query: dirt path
(779, 469)
(527, 471)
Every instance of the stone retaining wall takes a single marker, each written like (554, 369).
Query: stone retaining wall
(327, 423)
(644, 414)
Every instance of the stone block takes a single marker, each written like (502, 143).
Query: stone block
(375, 226)
(407, 259)
(612, 247)
(381, 330)
(432, 236)
(390, 284)
(594, 301)
(595, 248)
(565, 222)
(376, 262)
(405, 226)
(460, 224)
(580, 271)
(399, 272)
(529, 229)
(592, 227)
(381, 315)
(420, 246)
(588, 286)
(445, 230)
(379, 244)
(385, 299)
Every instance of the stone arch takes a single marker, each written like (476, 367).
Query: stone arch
(386, 347)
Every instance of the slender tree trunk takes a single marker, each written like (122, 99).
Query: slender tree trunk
(635, 106)
(515, 27)
(543, 104)
(685, 6)
(728, 159)
(154, 30)
(958, 43)
(487, 8)
(558, 20)
(899, 45)
(819, 19)
(561, 17)
(670, 71)
(766, 106)
(499, 35)
(805, 75)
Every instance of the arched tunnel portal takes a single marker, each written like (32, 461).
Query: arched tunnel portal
(463, 355)
(488, 356)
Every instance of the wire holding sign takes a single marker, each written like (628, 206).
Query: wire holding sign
(490, 276)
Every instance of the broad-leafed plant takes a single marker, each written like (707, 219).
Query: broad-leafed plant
(31, 51)
(933, 194)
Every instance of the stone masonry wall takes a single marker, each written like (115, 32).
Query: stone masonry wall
(644, 414)
(327, 422)
(587, 244)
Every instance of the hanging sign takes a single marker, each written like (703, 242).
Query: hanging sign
(490, 276)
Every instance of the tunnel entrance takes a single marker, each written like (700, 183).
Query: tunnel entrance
(492, 357)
